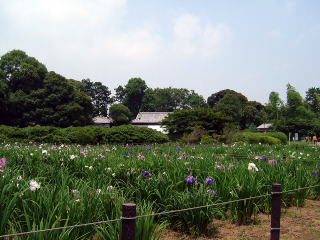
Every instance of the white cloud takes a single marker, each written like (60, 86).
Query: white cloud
(82, 38)
(191, 36)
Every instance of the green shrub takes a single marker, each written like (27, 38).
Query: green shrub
(206, 139)
(194, 137)
(251, 137)
(132, 134)
(84, 135)
(279, 135)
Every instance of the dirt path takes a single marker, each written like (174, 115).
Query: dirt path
(296, 223)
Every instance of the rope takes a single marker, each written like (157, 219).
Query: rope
(155, 214)
(59, 228)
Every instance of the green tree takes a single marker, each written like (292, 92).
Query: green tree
(253, 114)
(296, 107)
(313, 99)
(134, 92)
(119, 95)
(60, 104)
(216, 97)
(230, 105)
(21, 71)
(182, 122)
(274, 108)
(3, 99)
(120, 114)
(170, 99)
(100, 96)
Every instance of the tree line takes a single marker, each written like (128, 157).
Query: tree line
(32, 95)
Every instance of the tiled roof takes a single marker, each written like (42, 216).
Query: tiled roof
(265, 125)
(150, 117)
(102, 120)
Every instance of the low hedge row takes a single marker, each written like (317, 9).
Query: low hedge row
(265, 138)
(84, 135)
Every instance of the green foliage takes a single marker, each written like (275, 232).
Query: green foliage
(84, 135)
(170, 99)
(22, 71)
(133, 95)
(182, 122)
(216, 97)
(82, 184)
(195, 136)
(230, 105)
(206, 139)
(119, 114)
(262, 138)
(132, 134)
(100, 96)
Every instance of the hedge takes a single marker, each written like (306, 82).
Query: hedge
(83, 135)
(266, 138)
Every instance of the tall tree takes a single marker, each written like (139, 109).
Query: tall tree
(134, 92)
(22, 72)
(230, 105)
(3, 99)
(216, 97)
(313, 99)
(100, 96)
(253, 113)
(119, 95)
(170, 99)
(274, 107)
(60, 104)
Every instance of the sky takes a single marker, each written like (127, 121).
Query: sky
(253, 47)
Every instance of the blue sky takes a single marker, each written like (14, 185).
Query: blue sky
(253, 47)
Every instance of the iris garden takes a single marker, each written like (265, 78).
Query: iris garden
(45, 186)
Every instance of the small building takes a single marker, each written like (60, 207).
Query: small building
(150, 120)
(264, 127)
(102, 121)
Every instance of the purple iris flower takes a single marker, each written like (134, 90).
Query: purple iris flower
(145, 173)
(149, 148)
(212, 192)
(264, 157)
(209, 181)
(315, 172)
(178, 148)
(190, 179)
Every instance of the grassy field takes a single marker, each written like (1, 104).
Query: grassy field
(45, 186)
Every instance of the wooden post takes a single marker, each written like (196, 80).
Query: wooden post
(275, 212)
(128, 225)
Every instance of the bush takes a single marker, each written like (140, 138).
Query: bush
(194, 136)
(279, 135)
(132, 134)
(250, 137)
(84, 135)
(206, 139)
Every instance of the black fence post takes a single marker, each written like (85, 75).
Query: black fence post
(128, 225)
(275, 212)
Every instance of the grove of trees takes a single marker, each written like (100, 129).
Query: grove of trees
(31, 95)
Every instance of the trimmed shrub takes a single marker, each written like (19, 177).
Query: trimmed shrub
(279, 135)
(251, 137)
(84, 135)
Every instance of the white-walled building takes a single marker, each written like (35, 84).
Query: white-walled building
(150, 120)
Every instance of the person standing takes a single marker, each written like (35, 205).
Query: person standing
(314, 139)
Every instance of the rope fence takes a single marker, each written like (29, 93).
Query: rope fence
(129, 215)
